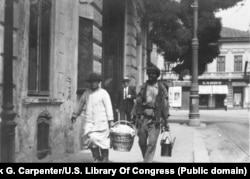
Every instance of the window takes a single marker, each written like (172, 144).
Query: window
(221, 64)
(39, 47)
(238, 63)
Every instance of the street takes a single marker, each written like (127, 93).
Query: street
(229, 128)
(238, 133)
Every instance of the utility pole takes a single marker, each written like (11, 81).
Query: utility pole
(8, 114)
(194, 116)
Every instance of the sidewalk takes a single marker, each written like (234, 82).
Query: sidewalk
(188, 148)
(204, 144)
(184, 150)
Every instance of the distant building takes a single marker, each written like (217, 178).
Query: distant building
(223, 78)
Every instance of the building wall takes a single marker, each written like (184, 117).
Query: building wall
(135, 42)
(63, 135)
(233, 80)
(229, 50)
(62, 96)
(92, 9)
(1, 47)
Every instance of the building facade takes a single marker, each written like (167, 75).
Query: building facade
(57, 44)
(223, 78)
(124, 44)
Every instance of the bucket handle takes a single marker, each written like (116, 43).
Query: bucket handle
(172, 141)
(164, 136)
(123, 122)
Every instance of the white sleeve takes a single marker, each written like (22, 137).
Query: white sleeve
(89, 110)
(108, 106)
(81, 105)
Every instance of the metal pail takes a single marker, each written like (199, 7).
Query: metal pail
(167, 145)
(166, 148)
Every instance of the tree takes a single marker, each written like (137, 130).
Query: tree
(173, 26)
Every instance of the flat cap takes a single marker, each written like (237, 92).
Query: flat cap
(153, 69)
(94, 77)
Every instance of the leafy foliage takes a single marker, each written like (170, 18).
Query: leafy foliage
(172, 30)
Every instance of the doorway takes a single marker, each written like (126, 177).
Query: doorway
(219, 100)
(113, 44)
(238, 97)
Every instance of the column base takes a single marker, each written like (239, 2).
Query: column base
(194, 119)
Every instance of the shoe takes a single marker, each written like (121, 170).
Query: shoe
(96, 154)
(104, 155)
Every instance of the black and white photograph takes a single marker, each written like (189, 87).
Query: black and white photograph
(125, 81)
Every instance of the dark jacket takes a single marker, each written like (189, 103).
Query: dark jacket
(126, 105)
(161, 108)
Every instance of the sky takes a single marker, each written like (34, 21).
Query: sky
(237, 17)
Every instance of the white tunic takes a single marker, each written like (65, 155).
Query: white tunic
(99, 111)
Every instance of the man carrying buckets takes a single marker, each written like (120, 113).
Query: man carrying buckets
(151, 111)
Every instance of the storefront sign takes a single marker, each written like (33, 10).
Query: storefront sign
(212, 83)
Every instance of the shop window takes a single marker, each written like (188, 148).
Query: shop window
(39, 47)
(238, 63)
(221, 64)
(43, 126)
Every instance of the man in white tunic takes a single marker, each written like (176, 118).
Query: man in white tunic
(99, 119)
(80, 113)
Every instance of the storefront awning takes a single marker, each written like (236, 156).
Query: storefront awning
(205, 89)
(213, 89)
(220, 89)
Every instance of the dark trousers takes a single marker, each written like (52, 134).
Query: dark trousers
(126, 116)
(148, 134)
(126, 108)
(100, 155)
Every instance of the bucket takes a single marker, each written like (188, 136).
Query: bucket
(167, 145)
